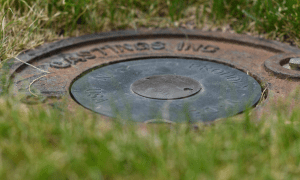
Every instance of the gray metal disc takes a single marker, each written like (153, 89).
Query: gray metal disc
(166, 86)
(225, 91)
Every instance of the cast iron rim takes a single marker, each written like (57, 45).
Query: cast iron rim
(48, 49)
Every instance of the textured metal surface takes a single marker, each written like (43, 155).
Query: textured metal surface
(58, 64)
(294, 63)
(225, 91)
(279, 66)
(168, 86)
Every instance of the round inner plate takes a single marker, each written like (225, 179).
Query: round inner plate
(113, 90)
(167, 86)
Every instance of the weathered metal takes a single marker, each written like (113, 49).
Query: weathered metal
(294, 63)
(174, 84)
(58, 65)
(166, 86)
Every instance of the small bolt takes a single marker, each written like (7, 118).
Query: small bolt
(295, 63)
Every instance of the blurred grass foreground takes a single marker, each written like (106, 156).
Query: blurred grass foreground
(37, 142)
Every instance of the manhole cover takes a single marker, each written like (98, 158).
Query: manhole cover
(175, 75)
(147, 89)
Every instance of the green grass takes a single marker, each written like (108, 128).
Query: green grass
(54, 143)
(39, 143)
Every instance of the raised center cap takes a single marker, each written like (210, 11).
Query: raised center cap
(166, 87)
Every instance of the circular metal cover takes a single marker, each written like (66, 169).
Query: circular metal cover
(165, 87)
(51, 69)
(225, 91)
